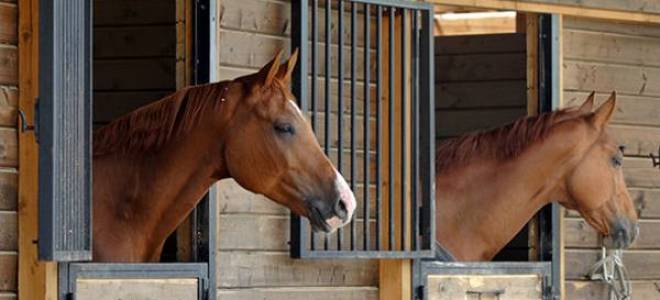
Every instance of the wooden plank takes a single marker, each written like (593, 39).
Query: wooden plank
(552, 6)
(139, 41)
(8, 148)
(111, 105)
(8, 296)
(608, 26)
(301, 293)
(579, 234)
(456, 122)
(8, 65)
(270, 269)
(480, 94)
(592, 290)
(274, 18)
(641, 264)
(8, 105)
(611, 48)
(630, 110)
(125, 12)
(141, 74)
(480, 44)
(468, 26)
(586, 76)
(648, 6)
(480, 67)
(8, 23)
(8, 231)
(138, 289)
(36, 279)
(249, 50)
(639, 141)
(247, 232)
(8, 270)
(481, 287)
(639, 172)
(8, 190)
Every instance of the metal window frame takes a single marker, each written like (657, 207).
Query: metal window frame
(300, 230)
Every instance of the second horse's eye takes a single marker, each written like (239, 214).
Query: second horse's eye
(284, 128)
(616, 161)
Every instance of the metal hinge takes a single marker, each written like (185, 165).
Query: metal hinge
(25, 126)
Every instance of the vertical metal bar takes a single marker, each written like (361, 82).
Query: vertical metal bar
(415, 135)
(427, 129)
(379, 125)
(328, 75)
(353, 111)
(299, 15)
(340, 100)
(404, 128)
(315, 80)
(367, 79)
(391, 131)
(555, 70)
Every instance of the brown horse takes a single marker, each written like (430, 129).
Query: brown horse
(152, 166)
(491, 183)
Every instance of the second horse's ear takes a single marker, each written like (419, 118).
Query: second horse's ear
(603, 113)
(286, 69)
(268, 72)
(588, 104)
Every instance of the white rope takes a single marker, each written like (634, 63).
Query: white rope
(611, 271)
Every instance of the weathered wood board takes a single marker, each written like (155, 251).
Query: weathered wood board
(496, 287)
(137, 289)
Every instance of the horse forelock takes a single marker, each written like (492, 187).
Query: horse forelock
(150, 127)
(502, 143)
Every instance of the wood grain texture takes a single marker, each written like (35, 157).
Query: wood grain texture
(8, 105)
(480, 67)
(8, 190)
(613, 48)
(608, 26)
(579, 234)
(630, 109)
(137, 289)
(641, 264)
(301, 293)
(633, 80)
(138, 74)
(647, 203)
(639, 172)
(137, 41)
(482, 287)
(8, 272)
(592, 290)
(8, 147)
(480, 94)
(125, 12)
(271, 269)
(479, 44)
(8, 231)
(8, 65)
(8, 23)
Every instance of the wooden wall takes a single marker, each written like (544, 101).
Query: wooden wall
(134, 55)
(8, 148)
(253, 232)
(481, 83)
(603, 56)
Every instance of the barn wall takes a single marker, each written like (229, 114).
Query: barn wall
(481, 83)
(253, 259)
(604, 56)
(8, 148)
(134, 55)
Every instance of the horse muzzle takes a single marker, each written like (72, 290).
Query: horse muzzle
(623, 233)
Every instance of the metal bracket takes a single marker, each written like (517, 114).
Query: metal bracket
(24, 126)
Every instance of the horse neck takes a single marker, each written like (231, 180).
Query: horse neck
(482, 205)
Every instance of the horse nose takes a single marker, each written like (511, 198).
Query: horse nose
(624, 233)
(340, 209)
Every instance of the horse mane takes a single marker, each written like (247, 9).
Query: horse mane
(501, 143)
(150, 127)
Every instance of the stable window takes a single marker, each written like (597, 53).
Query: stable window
(93, 59)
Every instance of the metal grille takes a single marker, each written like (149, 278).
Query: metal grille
(365, 78)
(65, 131)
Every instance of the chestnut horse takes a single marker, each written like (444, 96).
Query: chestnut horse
(491, 183)
(152, 166)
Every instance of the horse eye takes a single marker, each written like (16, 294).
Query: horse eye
(284, 128)
(616, 161)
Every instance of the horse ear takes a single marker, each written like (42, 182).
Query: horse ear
(285, 71)
(603, 114)
(269, 71)
(588, 104)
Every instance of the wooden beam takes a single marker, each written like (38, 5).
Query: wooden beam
(532, 47)
(465, 26)
(528, 6)
(36, 279)
(395, 276)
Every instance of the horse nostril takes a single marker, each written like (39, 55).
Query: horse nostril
(340, 209)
